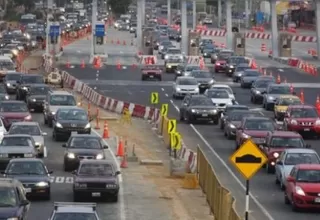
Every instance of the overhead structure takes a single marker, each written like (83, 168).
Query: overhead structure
(274, 29)
(219, 13)
(140, 13)
(285, 45)
(169, 12)
(184, 30)
(194, 43)
(239, 44)
(147, 40)
(194, 15)
(93, 24)
(318, 27)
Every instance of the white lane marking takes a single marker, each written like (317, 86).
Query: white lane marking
(59, 179)
(45, 152)
(166, 95)
(78, 51)
(263, 209)
(162, 89)
(69, 179)
(121, 202)
(281, 70)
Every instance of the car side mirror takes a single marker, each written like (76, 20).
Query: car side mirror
(290, 179)
(105, 146)
(64, 145)
(50, 172)
(118, 173)
(74, 172)
(44, 133)
(264, 92)
(308, 145)
(24, 203)
(279, 162)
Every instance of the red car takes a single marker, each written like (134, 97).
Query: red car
(303, 187)
(303, 119)
(14, 111)
(255, 128)
(151, 72)
(220, 66)
(276, 142)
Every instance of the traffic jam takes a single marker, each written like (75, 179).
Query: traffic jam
(279, 124)
(23, 149)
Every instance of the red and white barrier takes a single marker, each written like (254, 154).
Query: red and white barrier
(194, 60)
(119, 107)
(146, 59)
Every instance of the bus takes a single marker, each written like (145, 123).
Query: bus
(28, 18)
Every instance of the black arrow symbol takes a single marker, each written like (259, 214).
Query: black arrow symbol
(177, 141)
(164, 110)
(172, 126)
(154, 97)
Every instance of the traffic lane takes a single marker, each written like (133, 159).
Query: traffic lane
(61, 188)
(294, 75)
(120, 41)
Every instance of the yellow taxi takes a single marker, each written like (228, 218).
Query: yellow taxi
(282, 104)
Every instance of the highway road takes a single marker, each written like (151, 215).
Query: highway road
(125, 84)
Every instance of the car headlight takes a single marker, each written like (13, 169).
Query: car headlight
(4, 155)
(99, 157)
(214, 111)
(15, 52)
(178, 89)
(166, 57)
(58, 125)
(38, 144)
(42, 184)
(13, 218)
(193, 111)
(7, 97)
(27, 117)
(317, 122)
(211, 81)
(293, 122)
(232, 126)
(270, 98)
(111, 186)
(181, 57)
(245, 136)
(257, 92)
(275, 155)
(8, 84)
(33, 100)
(231, 66)
(80, 185)
(28, 155)
(299, 191)
(71, 155)
(88, 126)
(205, 54)
(169, 66)
(25, 88)
(53, 113)
(197, 89)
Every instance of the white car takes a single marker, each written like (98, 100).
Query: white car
(3, 130)
(173, 53)
(185, 85)
(226, 88)
(291, 157)
(220, 98)
(207, 21)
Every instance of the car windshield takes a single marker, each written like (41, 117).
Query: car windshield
(66, 100)
(2, 89)
(251, 73)
(174, 51)
(6, 65)
(174, 60)
(13, 107)
(301, 158)
(279, 90)
(225, 54)
(286, 142)
(85, 142)
(290, 101)
(8, 197)
(229, 90)
(166, 43)
(16, 141)
(208, 47)
(232, 108)
(259, 125)
(303, 113)
(96, 170)
(237, 60)
(190, 68)
(187, 82)
(13, 77)
(72, 114)
(201, 74)
(308, 176)
(201, 101)
(39, 90)
(238, 116)
(241, 68)
(262, 83)
(74, 216)
(32, 130)
(218, 94)
(26, 167)
(32, 79)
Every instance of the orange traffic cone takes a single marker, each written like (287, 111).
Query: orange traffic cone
(118, 65)
(317, 105)
(118, 41)
(105, 130)
(68, 64)
(278, 79)
(134, 66)
(302, 96)
(124, 42)
(124, 162)
(120, 150)
(112, 41)
(83, 65)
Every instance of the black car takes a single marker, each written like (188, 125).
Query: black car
(10, 81)
(259, 87)
(228, 110)
(82, 146)
(204, 42)
(208, 50)
(68, 120)
(185, 70)
(198, 107)
(13, 201)
(32, 173)
(96, 179)
(24, 83)
(233, 62)
(239, 71)
(204, 78)
(172, 33)
(36, 96)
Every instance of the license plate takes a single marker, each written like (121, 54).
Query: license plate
(317, 200)
(151, 76)
(28, 190)
(96, 194)
(204, 115)
(306, 129)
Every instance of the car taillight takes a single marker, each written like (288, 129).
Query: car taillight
(218, 64)
(27, 117)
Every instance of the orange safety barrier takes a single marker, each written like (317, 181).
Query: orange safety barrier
(317, 105)
(263, 47)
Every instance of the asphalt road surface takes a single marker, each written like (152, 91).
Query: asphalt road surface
(125, 84)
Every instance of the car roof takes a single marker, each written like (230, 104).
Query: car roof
(185, 77)
(301, 106)
(226, 50)
(26, 160)
(243, 65)
(279, 85)
(260, 118)
(17, 135)
(84, 135)
(12, 101)
(39, 85)
(60, 92)
(97, 162)
(25, 123)
(27, 75)
(251, 70)
(237, 106)
(300, 150)
(8, 182)
(220, 85)
(285, 134)
(288, 97)
(308, 166)
(198, 96)
(71, 108)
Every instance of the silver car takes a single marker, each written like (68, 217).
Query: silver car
(185, 85)
(77, 210)
(16, 146)
(291, 157)
(273, 92)
(32, 129)
(248, 77)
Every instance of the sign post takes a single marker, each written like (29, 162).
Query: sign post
(248, 160)
(54, 33)
(154, 101)
(99, 33)
(164, 113)
(172, 129)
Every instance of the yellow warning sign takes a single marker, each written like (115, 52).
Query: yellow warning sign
(248, 159)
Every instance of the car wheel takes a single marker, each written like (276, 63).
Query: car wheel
(229, 136)
(282, 186)
(270, 169)
(215, 121)
(48, 195)
(181, 117)
(268, 108)
(76, 197)
(221, 125)
(189, 119)
(277, 180)
(286, 199)
(293, 205)
(50, 123)
(45, 121)
(114, 198)
(65, 167)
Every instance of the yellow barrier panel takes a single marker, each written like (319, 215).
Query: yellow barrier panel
(220, 200)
